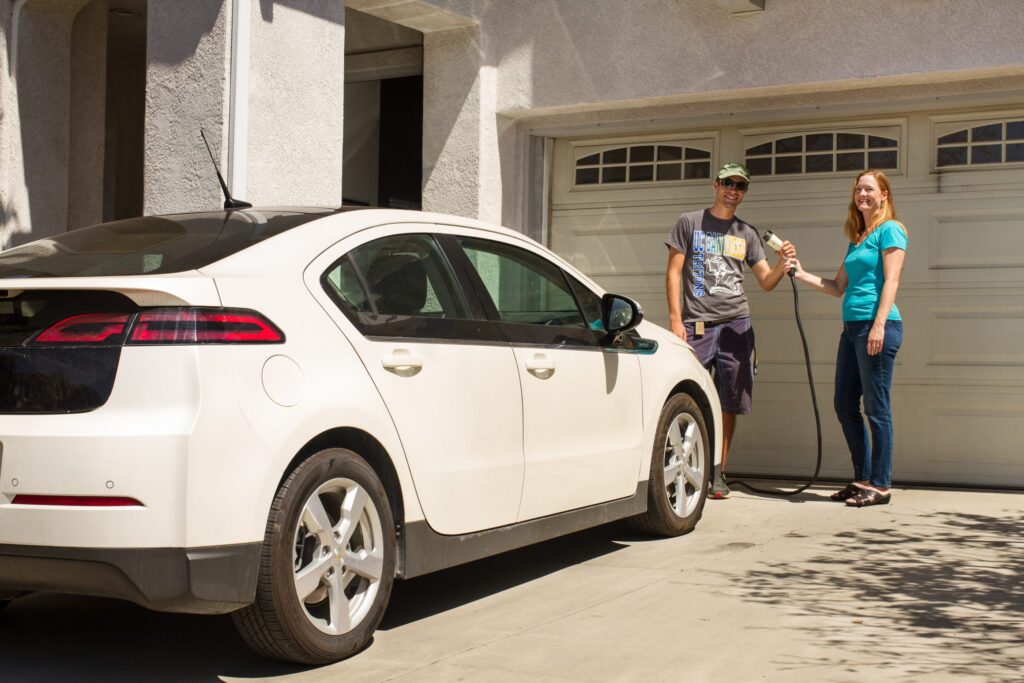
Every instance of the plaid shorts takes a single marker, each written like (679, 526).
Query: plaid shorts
(726, 349)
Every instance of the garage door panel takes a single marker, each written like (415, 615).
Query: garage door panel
(984, 339)
(945, 433)
(968, 435)
(779, 438)
(977, 240)
(605, 242)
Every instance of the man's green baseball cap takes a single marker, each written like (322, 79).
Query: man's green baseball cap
(730, 170)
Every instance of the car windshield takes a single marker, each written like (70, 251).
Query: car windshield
(148, 245)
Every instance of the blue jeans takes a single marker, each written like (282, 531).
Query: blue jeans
(857, 375)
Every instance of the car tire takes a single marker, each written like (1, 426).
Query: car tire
(680, 471)
(327, 565)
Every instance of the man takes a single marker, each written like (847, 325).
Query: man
(707, 250)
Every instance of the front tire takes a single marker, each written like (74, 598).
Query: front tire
(327, 565)
(680, 471)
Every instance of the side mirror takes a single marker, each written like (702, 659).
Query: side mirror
(619, 314)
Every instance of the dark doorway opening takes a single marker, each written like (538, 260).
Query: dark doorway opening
(124, 144)
(400, 179)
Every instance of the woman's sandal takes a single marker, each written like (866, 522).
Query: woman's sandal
(868, 497)
(850, 491)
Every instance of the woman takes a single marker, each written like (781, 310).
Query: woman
(872, 333)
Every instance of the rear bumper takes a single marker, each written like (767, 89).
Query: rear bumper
(211, 580)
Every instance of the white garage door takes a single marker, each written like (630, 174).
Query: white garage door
(959, 187)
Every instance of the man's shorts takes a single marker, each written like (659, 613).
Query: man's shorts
(726, 349)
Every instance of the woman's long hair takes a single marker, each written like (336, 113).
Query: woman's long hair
(855, 227)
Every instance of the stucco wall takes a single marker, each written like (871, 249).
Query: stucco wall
(564, 53)
(296, 100)
(188, 48)
(37, 130)
(7, 110)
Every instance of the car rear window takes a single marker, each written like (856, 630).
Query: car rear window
(149, 244)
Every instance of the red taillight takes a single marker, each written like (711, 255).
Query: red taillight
(163, 326)
(89, 328)
(78, 501)
(203, 326)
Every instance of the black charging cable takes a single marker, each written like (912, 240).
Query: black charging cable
(814, 402)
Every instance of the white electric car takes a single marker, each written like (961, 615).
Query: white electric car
(276, 412)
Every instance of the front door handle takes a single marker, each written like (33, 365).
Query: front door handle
(540, 366)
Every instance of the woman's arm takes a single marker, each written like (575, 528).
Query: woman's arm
(892, 266)
(834, 287)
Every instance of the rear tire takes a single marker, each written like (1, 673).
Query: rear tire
(327, 565)
(680, 471)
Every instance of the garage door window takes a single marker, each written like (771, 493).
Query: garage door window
(979, 143)
(642, 163)
(814, 152)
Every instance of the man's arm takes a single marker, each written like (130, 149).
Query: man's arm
(673, 280)
(769, 278)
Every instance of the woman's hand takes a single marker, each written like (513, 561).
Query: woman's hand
(794, 264)
(875, 338)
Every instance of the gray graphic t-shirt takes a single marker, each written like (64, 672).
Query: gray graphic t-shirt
(715, 250)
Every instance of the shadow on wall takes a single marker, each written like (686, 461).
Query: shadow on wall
(267, 8)
(941, 599)
(8, 218)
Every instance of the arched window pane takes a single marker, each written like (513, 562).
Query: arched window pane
(670, 153)
(642, 153)
(614, 156)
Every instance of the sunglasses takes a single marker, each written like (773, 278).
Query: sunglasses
(729, 183)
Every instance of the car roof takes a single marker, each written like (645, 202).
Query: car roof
(292, 248)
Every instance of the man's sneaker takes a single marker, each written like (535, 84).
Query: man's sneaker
(719, 489)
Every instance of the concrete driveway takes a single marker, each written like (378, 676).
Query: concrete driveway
(926, 589)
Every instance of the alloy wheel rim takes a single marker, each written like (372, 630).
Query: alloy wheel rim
(684, 465)
(338, 556)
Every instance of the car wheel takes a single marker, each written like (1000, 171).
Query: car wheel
(680, 470)
(327, 565)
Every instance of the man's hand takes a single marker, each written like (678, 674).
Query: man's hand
(678, 328)
(788, 250)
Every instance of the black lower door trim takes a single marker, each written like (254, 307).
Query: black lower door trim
(427, 551)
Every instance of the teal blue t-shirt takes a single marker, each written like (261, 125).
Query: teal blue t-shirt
(865, 273)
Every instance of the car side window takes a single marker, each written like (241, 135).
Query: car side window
(589, 302)
(402, 286)
(524, 287)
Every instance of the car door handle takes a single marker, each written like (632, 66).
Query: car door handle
(540, 366)
(402, 363)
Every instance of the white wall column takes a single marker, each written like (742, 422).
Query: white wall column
(296, 99)
(188, 59)
(469, 151)
(37, 119)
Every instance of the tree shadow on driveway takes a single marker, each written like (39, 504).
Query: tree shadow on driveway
(940, 595)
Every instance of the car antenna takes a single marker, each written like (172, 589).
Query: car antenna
(229, 201)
